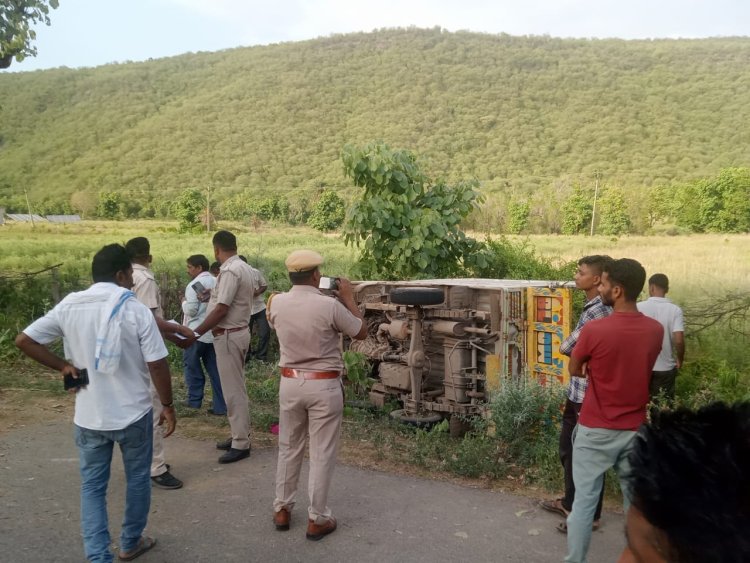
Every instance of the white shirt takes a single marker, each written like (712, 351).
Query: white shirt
(108, 402)
(259, 303)
(670, 317)
(195, 312)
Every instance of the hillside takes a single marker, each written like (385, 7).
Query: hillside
(510, 111)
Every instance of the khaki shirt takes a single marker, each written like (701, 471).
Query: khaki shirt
(308, 325)
(145, 288)
(235, 286)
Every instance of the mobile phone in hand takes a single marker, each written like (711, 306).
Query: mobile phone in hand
(70, 382)
(198, 287)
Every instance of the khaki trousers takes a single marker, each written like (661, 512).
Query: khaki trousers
(231, 348)
(315, 406)
(158, 464)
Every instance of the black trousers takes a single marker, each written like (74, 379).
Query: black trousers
(569, 421)
(663, 382)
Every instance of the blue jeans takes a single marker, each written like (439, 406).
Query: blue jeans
(195, 380)
(95, 454)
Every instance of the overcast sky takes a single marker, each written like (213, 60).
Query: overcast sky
(96, 32)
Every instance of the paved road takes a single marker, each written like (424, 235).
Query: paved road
(223, 513)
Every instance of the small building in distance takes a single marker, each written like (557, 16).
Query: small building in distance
(63, 218)
(25, 217)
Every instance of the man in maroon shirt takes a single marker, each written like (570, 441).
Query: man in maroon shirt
(617, 354)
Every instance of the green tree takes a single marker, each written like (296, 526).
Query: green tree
(724, 201)
(576, 211)
(110, 205)
(518, 217)
(405, 225)
(189, 208)
(613, 213)
(328, 212)
(16, 35)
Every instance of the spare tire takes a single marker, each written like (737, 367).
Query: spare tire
(417, 296)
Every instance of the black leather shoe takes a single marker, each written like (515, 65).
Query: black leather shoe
(224, 444)
(234, 455)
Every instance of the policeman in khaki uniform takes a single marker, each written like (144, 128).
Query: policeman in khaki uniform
(308, 325)
(228, 311)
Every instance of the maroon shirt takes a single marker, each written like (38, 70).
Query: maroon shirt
(620, 350)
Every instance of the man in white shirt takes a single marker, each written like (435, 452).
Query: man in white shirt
(658, 307)
(195, 308)
(112, 336)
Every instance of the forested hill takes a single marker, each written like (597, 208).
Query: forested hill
(518, 111)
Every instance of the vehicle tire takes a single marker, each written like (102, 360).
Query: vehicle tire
(417, 296)
(458, 426)
(422, 420)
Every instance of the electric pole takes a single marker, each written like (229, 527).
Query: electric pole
(208, 210)
(593, 209)
(28, 206)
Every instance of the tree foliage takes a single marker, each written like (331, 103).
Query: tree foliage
(518, 216)
(110, 205)
(190, 209)
(405, 225)
(576, 211)
(16, 34)
(613, 214)
(328, 213)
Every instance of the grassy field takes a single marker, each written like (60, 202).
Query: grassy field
(697, 265)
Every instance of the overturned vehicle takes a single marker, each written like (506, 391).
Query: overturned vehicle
(441, 347)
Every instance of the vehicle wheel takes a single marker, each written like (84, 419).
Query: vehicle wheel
(458, 426)
(417, 296)
(422, 420)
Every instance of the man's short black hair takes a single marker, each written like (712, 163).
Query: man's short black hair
(198, 261)
(595, 262)
(138, 247)
(659, 280)
(225, 240)
(108, 261)
(628, 274)
(690, 478)
(298, 278)
(215, 267)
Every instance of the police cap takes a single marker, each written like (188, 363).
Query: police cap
(303, 261)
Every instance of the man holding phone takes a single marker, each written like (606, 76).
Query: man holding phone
(201, 353)
(309, 325)
(111, 338)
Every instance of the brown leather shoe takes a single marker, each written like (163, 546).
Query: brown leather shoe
(281, 519)
(316, 532)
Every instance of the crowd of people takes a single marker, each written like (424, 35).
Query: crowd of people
(685, 476)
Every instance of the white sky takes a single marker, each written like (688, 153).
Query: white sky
(95, 32)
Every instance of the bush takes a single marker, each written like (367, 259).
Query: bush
(328, 212)
(525, 418)
(518, 260)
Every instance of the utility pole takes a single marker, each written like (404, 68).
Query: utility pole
(28, 206)
(208, 210)
(593, 209)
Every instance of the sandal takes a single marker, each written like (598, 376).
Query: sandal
(144, 544)
(562, 527)
(555, 506)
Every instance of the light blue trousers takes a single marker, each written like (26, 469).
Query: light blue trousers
(595, 450)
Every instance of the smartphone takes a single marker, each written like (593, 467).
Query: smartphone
(198, 287)
(70, 382)
(328, 283)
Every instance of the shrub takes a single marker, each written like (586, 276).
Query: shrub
(328, 212)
